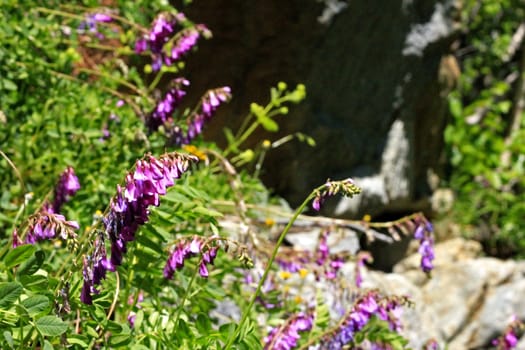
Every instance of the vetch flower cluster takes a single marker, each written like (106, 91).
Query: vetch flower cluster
(66, 187)
(368, 305)
(128, 210)
(45, 225)
(163, 111)
(424, 234)
(209, 103)
(165, 43)
(285, 337)
(346, 187)
(207, 249)
(91, 22)
(186, 249)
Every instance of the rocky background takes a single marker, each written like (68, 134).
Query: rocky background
(376, 79)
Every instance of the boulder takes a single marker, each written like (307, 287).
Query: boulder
(376, 80)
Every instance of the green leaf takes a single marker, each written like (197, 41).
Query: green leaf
(119, 340)
(203, 324)
(18, 255)
(51, 326)
(8, 85)
(9, 339)
(32, 264)
(34, 282)
(78, 340)
(35, 304)
(48, 345)
(206, 211)
(9, 292)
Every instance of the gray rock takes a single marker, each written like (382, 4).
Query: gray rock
(494, 315)
(375, 102)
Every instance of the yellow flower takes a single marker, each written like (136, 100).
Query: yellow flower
(298, 299)
(195, 151)
(269, 222)
(367, 218)
(266, 144)
(303, 273)
(285, 275)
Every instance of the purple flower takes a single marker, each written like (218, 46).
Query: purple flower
(186, 249)
(129, 210)
(357, 318)
(509, 339)
(165, 108)
(424, 235)
(322, 250)
(66, 187)
(185, 40)
(16, 240)
(167, 45)
(91, 23)
(347, 187)
(211, 100)
(285, 337)
(46, 225)
(362, 257)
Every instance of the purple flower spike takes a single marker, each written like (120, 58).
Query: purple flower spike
(66, 187)
(129, 209)
(46, 225)
(424, 235)
(211, 100)
(165, 108)
(285, 337)
(360, 314)
(186, 249)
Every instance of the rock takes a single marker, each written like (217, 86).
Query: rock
(492, 318)
(375, 89)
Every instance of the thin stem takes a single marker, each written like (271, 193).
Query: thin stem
(15, 169)
(358, 225)
(156, 81)
(269, 265)
(59, 13)
(186, 293)
(115, 299)
(128, 100)
(118, 80)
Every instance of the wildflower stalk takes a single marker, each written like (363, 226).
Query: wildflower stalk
(269, 265)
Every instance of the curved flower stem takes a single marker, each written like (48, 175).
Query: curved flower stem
(269, 265)
(115, 299)
(15, 169)
(118, 80)
(156, 81)
(186, 293)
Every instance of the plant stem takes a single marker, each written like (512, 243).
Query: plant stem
(269, 265)
(186, 293)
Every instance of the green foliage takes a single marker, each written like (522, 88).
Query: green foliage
(485, 149)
